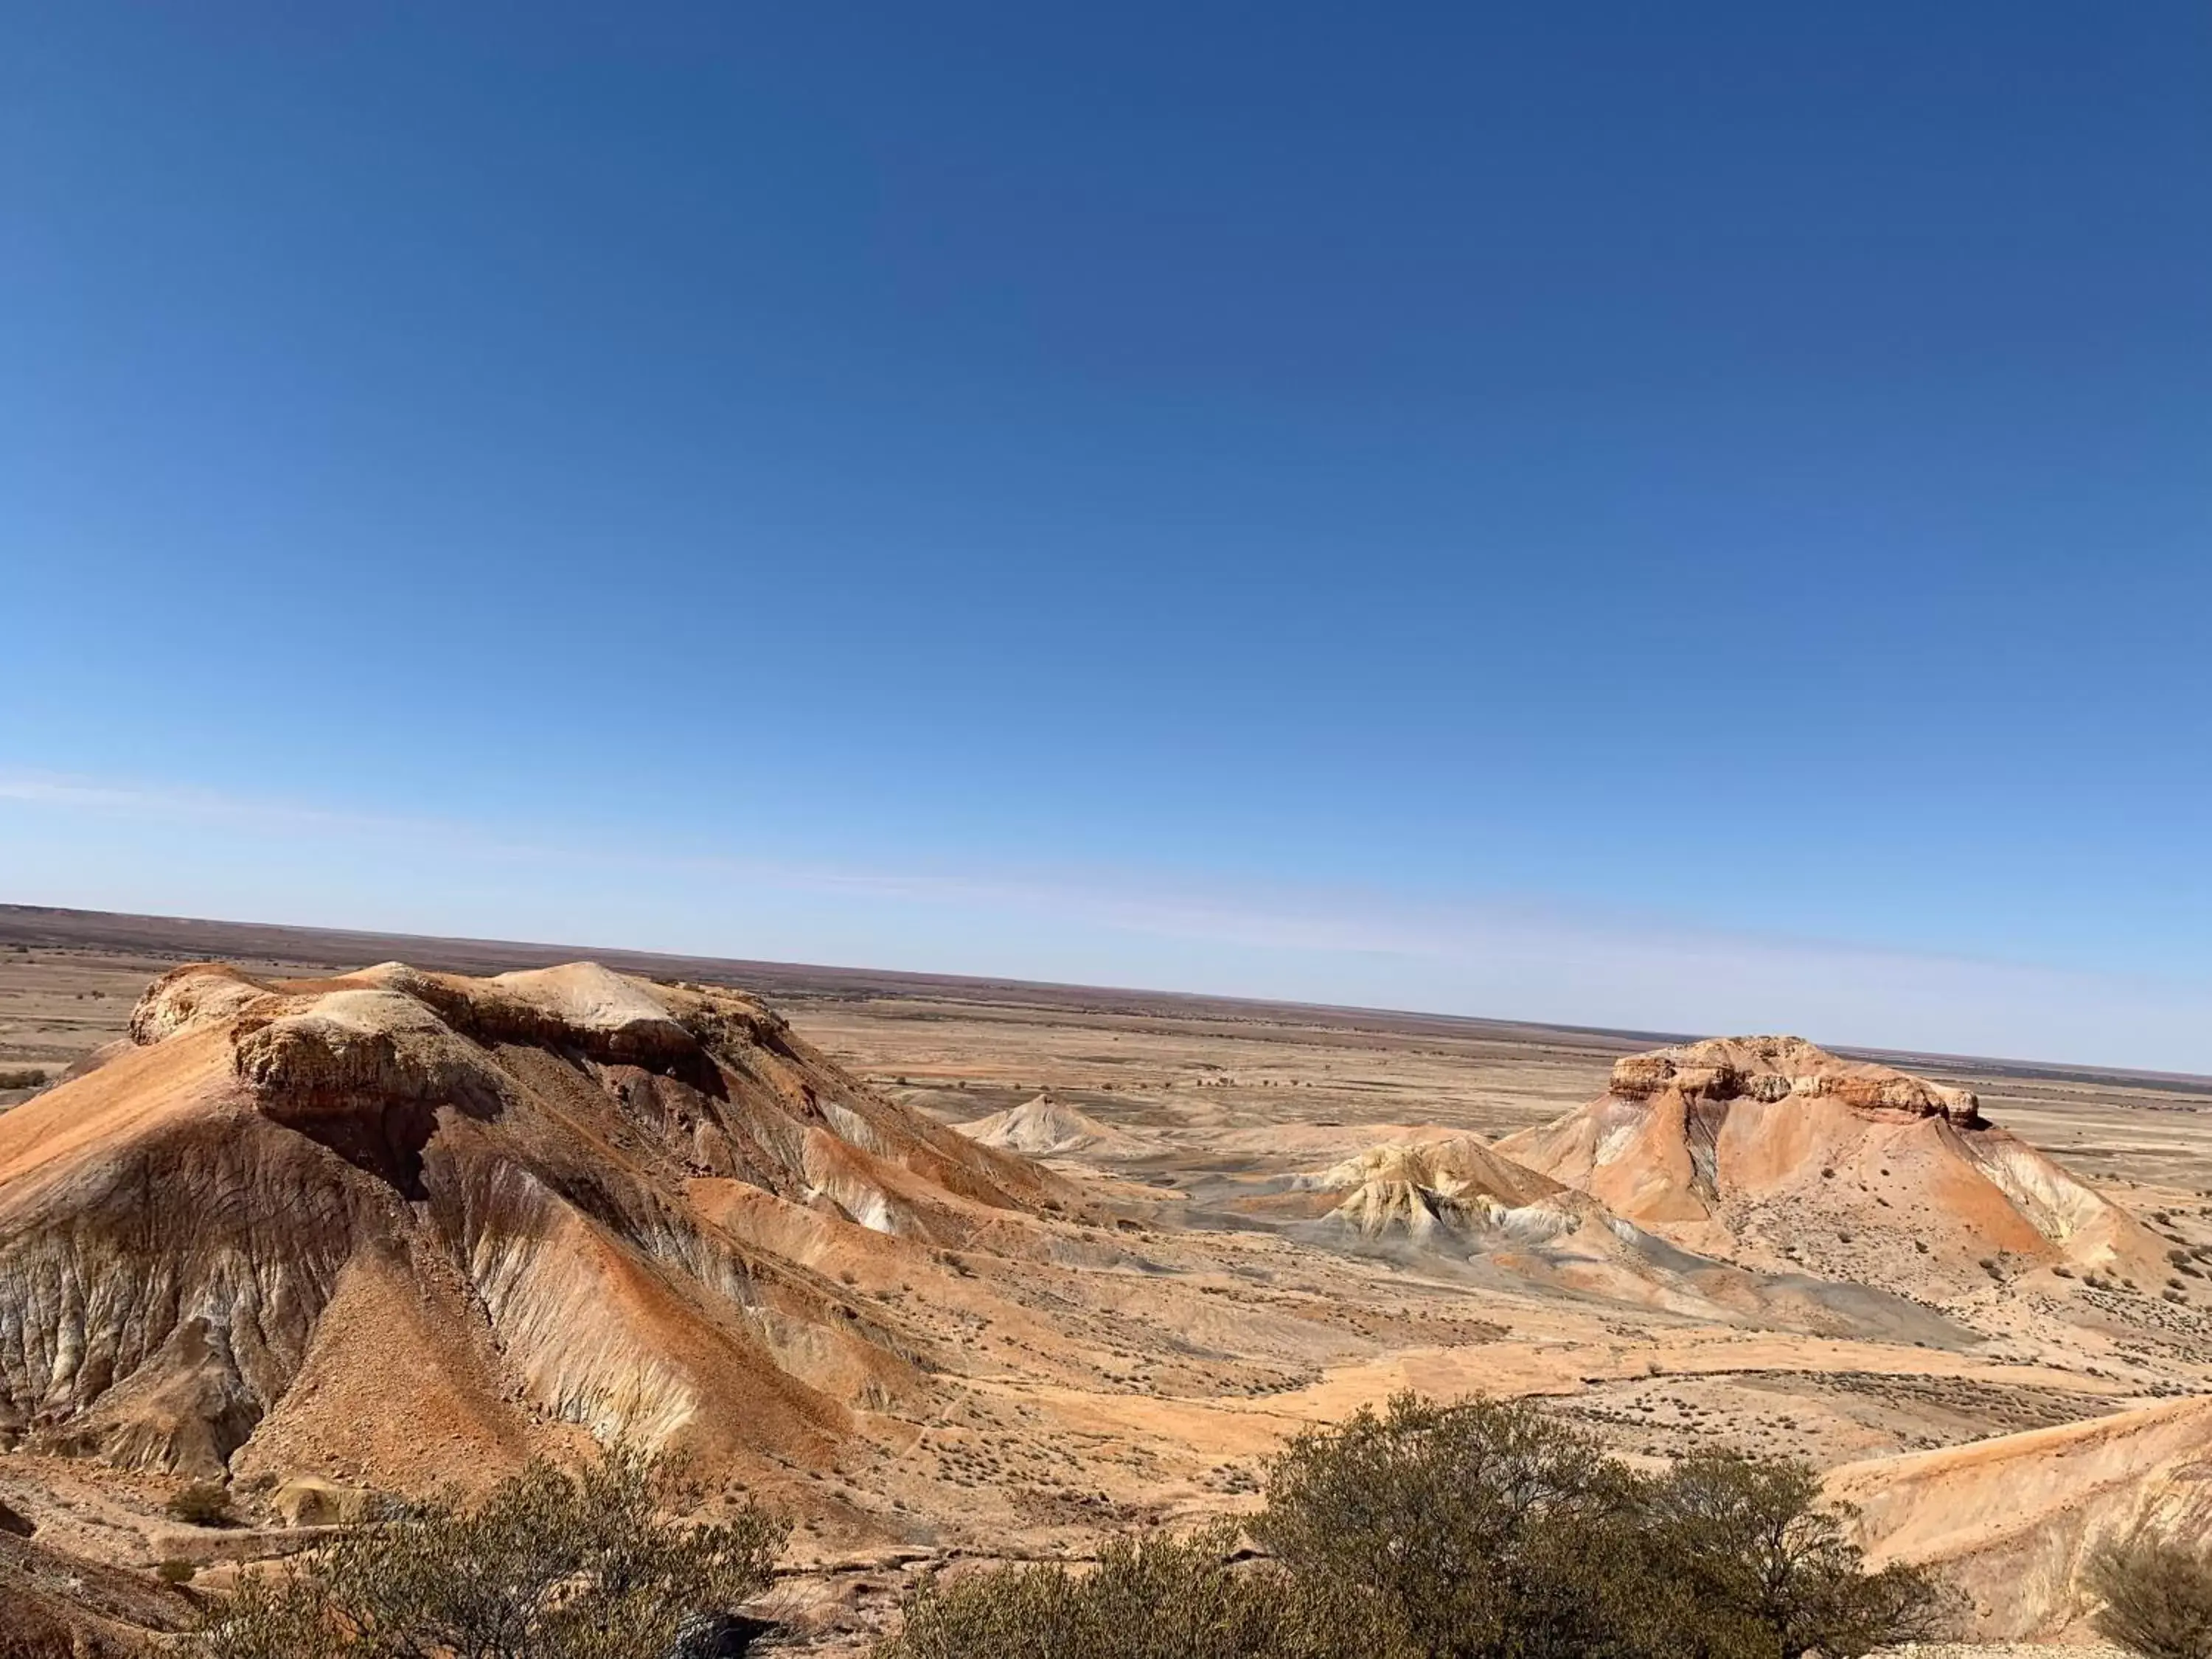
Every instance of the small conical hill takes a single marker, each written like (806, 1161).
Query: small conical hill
(1044, 1128)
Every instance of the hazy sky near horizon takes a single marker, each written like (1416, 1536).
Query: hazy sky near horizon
(1692, 518)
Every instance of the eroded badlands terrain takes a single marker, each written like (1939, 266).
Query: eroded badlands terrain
(949, 1269)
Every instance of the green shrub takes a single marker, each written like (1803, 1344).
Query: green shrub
(2157, 1596)
(1494, 1531)
(1479, 1530)
(1751, 1562)
(1153, 1598)
(550, 1566)
(176, 1572)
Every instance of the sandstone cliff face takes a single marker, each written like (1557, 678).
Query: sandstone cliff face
(477, 1200)
(1774, 1068)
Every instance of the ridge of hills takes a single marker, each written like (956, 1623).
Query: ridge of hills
(193, 938)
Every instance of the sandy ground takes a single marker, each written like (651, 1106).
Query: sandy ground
(1094, 1395)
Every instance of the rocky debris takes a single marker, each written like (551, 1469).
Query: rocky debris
(720, 1636)
(54, 1606)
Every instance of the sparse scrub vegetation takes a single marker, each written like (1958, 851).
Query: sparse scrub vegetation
(2157, 1596)
(1152, 1598)
(550, 1565)
(203, 1504)
(1479, 1530)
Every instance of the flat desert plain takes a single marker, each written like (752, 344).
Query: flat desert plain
(1226, 1221)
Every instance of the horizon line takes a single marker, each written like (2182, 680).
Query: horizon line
(547, 953)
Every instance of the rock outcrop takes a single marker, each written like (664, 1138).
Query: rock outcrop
(1460, 1198)
(410, 1223)
(1457, 1185)
(1774, 1152)
(1768, 1069)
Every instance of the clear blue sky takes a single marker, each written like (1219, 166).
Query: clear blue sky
(1690, 516)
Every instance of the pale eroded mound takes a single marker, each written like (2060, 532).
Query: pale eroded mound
(417, 1223)
(1457, 1185)
(1460, 1198)
(1044, 1128)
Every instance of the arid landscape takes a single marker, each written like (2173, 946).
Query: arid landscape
(952, 1269)
(1123, 832)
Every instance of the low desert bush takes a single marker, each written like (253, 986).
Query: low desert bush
(26, 1078)
(1748, 1563)
(1489, 1529)
(1479, 1530)
(1152, 1598)
(176, 1572)
(203, 1504)
(550, 1565)
(2157, 1596)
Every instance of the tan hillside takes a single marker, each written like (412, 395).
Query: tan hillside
(64, 1606)
(2011, 1520)
(421, 1224)
(1771, 1150)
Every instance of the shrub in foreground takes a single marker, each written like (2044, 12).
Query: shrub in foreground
(1479, 1530)
(1753, 1564)
(2157, 1596)
(1499, 1533)
(1152, 1598)
(1492, 1530)
(550, 1565)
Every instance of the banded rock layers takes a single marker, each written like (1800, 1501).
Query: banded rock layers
(424, 1223)
(1762, 1149)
